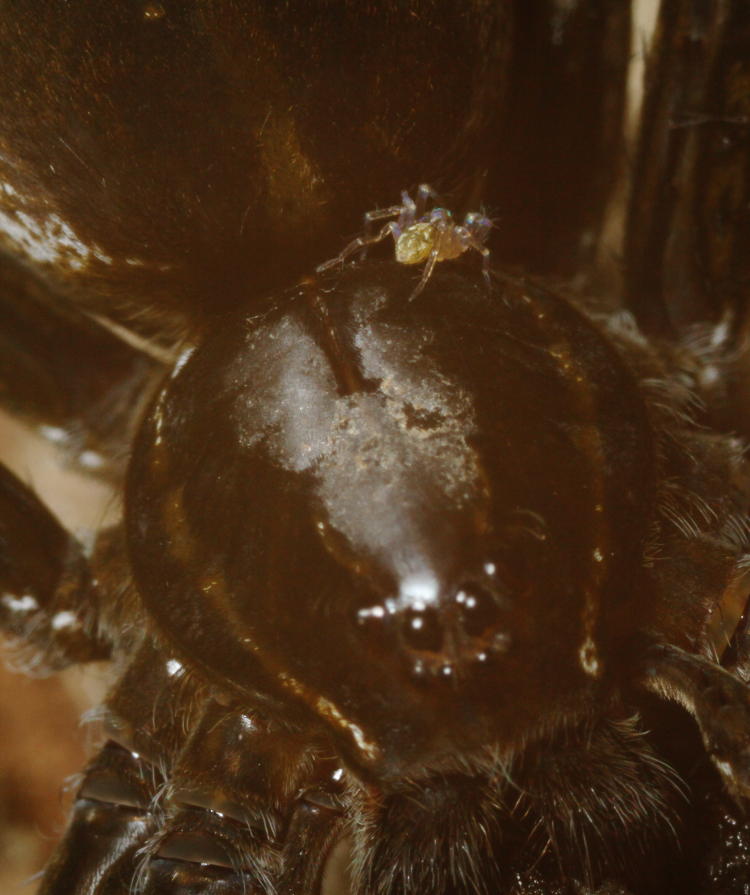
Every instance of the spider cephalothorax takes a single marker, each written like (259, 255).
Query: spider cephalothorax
(422, 235)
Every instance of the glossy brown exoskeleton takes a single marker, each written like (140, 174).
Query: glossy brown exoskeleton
(450, 582)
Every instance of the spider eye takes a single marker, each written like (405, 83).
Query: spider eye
(422, 631)
(480, 610)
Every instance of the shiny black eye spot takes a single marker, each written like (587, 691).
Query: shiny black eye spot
(422, 631)
(480, 610)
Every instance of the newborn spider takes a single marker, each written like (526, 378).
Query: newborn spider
(422, 235)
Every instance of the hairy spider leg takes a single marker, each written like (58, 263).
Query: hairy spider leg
(718, 701)
(361, 242)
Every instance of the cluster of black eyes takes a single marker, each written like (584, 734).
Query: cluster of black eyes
(475, 610)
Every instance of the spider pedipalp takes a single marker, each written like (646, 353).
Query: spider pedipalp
(421, 235)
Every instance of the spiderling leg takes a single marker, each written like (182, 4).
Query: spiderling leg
(356, 245)
(468, 238)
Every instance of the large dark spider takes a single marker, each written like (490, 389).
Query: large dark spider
(456, 583)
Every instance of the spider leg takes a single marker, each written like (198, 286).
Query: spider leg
(49, 596)
(719, 701)
(478, 225)
(403, 835)
(191, 792)
(356, 245)
(250, 796)
(408, 211)
(686, 231)
(380, 214)
(111, 821)
(81, 386)
(470, 240)
(145, 716)
(427, 272)
(441, 217)
(425, 194)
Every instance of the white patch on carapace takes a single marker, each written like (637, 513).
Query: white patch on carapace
(26, 603)
(418, 590)
(371, 444)
(64, 619)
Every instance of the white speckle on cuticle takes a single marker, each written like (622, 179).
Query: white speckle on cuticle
(64, 619)
(173, 667)
(26, 603)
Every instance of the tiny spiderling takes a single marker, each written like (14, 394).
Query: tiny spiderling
(422, 235)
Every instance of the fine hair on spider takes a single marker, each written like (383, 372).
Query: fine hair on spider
(424, 233)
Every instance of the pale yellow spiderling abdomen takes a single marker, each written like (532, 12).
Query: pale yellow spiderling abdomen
(414, 245)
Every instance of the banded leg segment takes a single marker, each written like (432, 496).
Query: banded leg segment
(230, 802)
(111, 822)
(248, 800)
